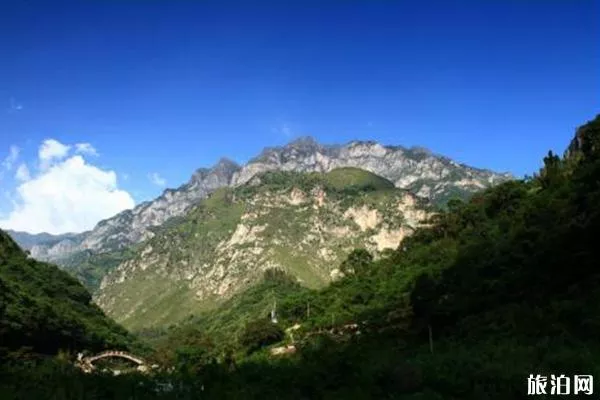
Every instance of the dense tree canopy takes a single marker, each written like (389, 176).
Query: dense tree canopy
(45, 309)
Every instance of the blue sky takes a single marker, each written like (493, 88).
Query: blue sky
(165, 87)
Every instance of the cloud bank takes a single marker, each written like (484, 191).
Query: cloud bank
(11, 158)
(85, 148)
(22, 173)
(50, 151)
(66, 195)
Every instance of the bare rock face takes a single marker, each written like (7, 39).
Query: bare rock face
(418, 170)
(65, 246)
(44, 246)
(133, 226)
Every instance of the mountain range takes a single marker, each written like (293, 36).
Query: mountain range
(300, 208)
(427, 175)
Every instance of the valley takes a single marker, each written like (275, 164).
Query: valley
(294, 200)
(194, 246)
(454, 302)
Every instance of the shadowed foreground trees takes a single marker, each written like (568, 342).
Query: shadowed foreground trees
(45, 309)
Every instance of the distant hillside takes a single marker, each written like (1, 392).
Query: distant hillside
(302, 223)
(44, 309)
(28, 240)
(45, 246)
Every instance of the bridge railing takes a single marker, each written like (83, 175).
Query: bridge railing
(113, 353)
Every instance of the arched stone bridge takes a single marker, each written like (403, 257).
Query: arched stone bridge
(87, 363)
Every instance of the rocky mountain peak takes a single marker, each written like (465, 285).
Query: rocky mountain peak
(225, 166)
(366, 143)
(305, 144)
(421, 150)
(199, 174)
(585, 139)
(300, 147)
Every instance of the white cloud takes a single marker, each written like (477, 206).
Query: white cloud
(284, 129)
(85, 148)
(14, 106)
(50, 151)
(22, 173)
(69, 196)
(156, 179)
(9, 161)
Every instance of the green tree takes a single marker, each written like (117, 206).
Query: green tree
(357, 262)
(260, 333)
(551, 173)
(278, 276)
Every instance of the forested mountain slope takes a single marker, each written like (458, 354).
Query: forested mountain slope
(302, 223)
(44, 309)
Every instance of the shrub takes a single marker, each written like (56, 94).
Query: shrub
(260, 333)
